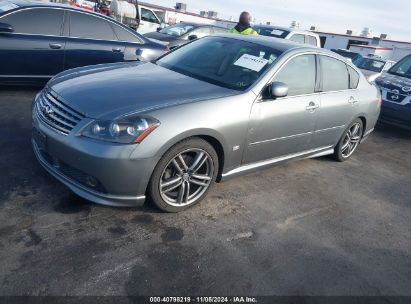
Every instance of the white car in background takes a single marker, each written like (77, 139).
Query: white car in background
(373, 67)
(296, 35)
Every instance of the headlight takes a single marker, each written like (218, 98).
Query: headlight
(126, 130)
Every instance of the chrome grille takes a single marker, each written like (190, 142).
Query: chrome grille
(56, 114)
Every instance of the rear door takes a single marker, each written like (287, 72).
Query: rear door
(286, 125)
(35, 49)
(339, 100)
(91, 41)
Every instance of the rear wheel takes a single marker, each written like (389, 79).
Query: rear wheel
(349, 141)
(184, 175)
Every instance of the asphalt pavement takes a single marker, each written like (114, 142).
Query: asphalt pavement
(312, 227)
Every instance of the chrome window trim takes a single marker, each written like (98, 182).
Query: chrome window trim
(76, 11)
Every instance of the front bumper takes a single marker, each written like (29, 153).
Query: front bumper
(104, 173)
(396, 114)
(85, 192)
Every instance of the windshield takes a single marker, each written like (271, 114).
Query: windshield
(177, 29)
(402, 68)
(226, 62)
(272, 32)
(370, 64)
(6, 6)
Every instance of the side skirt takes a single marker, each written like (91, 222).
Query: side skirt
(249, 168)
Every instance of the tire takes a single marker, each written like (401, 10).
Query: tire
(184, 175)
(349, 141)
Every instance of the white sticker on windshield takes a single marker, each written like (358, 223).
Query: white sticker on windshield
(277, 32)
(6, 6)
(251, 62)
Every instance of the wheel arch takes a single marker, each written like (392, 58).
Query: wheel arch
(210, 136)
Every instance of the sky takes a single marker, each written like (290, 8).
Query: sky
(392, 17)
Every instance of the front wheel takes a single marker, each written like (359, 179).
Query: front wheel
(349, 141)
(184, 175)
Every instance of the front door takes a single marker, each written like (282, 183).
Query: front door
(35, 49)
(285, 126)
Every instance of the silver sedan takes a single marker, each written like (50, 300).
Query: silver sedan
(216, 108)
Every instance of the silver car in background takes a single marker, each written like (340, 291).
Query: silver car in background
(219, 107)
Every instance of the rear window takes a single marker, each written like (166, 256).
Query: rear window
(354, 77)
(7, 6)
(334, 74)
(272, 32)
(312, 40)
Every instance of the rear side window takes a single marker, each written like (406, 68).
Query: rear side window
(298, 38)
(354, 78)
(124, 35)
(40, 21)
(311, 40)
(299, 75)
(88, 26)
(334, 74)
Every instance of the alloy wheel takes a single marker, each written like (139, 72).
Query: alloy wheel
(351, 140)
(186, 177)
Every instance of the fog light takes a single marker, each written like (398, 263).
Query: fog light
(91, 181)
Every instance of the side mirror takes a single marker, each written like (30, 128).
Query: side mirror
(192, 37)
(6, 28)
(277, 90)
(158, 29)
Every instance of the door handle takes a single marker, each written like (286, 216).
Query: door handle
(312, 106)
(117, 50)
(352, 100)
(55, 46)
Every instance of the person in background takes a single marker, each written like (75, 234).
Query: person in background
(243, 26)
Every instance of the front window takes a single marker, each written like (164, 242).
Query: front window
(226, 62)
(47, 21)
(402, 68)
(272, 32)
(370, 64)
(177, 29)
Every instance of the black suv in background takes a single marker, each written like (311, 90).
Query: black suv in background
(39, 40)
(395, 88)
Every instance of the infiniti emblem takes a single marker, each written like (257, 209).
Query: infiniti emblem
(46, 109)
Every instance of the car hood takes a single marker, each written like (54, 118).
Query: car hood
(393, 82)
(117, 89)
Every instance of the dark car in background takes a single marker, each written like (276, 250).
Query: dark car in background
(39, 40)
(181, 33)
(351, 56)
(395, 87)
